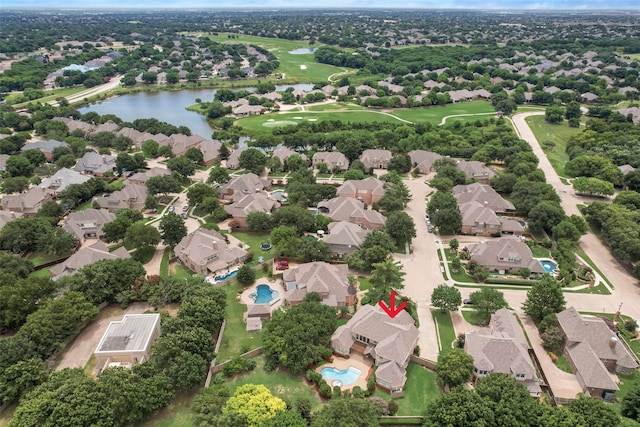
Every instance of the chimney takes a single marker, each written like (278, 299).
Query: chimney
(613, 341)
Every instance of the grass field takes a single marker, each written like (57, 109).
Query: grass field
(420, 390)
(50, 95)
(558, 134)
(39, 258)
(436, 113)
(563, 364)
(445, 329)
(471, 316)
(268, 121)
(301, 68)
(539, 252)
(365, 284)
(253, 240)
(334, 106)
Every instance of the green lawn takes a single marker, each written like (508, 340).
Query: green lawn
(51, 95)
(436, 113)
(585, 257)
(164, 263)
(179, 271)
(144, 255)
(39, 258)
(301, 68)
(420, 390)
(236, 340)
(335, 106)
(41, 274)
(563, 364)
(539, 252)
(84, 206)
(461, 276)
(471, 316)
(364, 283)
(445, 329)
(253, 240)
(177, 414)
(556, 133)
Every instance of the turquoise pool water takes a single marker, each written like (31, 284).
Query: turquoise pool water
(548, 265)
(346, 376)
(264, 294)
(225, 276)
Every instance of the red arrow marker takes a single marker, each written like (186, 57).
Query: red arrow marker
(392, 311)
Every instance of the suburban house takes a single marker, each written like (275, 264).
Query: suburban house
(242, 185)
(180, 143)
(502, 348)
(85, 256)
(96, 164)
(283, 153)
(480, 220)
(476, 170)
(507, 254)
(141, 178)
(333, 159)
(423, 160)
(368, 190)
(594, 352)
(87, 224)
(375, 159)
(625, 169)
(127, 342)
(62, 179)
(328, 280)
(233, 162)
(131, 196)
(29, 203)
(248, 110)
(352, 210)
(210, 150)
(390, 342)
(254, 202)
(206, 251)
(344, 238)
(7, 216)
(483, 194)
(46, 147)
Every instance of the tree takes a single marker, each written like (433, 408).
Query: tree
(454, 245)
(172, 229)
(545, 215)
(19, 378)
(163, 185)
(459, 408)
(301, 335)
(246, 275)
(554, 114)
(593, 186)
(400, 227)
(16, 184)
(296, 217)
(631, 404)
(195, 155)
(274, 164)
(208, 403)
(51, 210)
(288, 418)
(454, 367)
(259, 221)
(313, 249)
(141, 236)
(527, 194)
(197, 192)
(253, 160)
(348, 411)
(150, 203)
(19, 165)
(444, 213)
(545, 297)
(385, 277)
(486, 302)
(508, 399)
(594, 412)
(573, 111)
(256, 402)
(182, 166)
(13, 264)
(218, 175)
(25, 234)
(116, 229)
(203, 306)
(105, 280)
(126, 162)
(150, 148)
(21, 296)
(446, 298)
(552, 338)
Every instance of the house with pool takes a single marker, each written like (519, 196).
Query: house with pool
(388, 342)
(507, 254)
(206, 251)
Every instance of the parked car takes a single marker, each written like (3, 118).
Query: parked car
(430, 229)
(184, 215)
(171, 209)
(185, 208)
(282, 265)
(467, 301)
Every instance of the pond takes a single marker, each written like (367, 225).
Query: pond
(302, 51)
(168, 106)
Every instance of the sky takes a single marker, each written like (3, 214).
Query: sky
(539, 5)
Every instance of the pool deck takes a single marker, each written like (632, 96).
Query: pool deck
(275, 286)
(355, 361)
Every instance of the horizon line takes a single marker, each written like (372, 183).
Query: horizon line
(373, 7)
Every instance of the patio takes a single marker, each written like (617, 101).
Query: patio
(276, 285)
(355, 361)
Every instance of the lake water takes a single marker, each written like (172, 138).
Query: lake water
(168, 106)
(302, 51)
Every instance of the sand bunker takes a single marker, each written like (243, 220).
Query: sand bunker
(272, 124)
(270, 120)
(303, 67)
(298, 118)
(312, 120)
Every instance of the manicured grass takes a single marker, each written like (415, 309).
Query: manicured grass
(436, 113)
(177, 414)
(585, 257)
(253, 240)
(598, 290)
(341, 322)
(180, 271)
(335, 106)
(289, 63)
(41, 274)
(144, 255)
(557, 133)
(164, 263)
(84, 206)
(445, 329)
(236, 340)
(539, 252)
(6, 415)
(627, 383)
(461, 276)
(365, 284)
(420, 390)
(563, 364)
(51, 95)
(90, 366)
(39, 258)
(471, 316)
(281, 383)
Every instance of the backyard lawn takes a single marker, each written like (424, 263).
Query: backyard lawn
(556, 133)
(364, 283)
(253, 240)
(420, 389)
(539, 252)
(236, 340)
(180, 271)
(445, 329)
(471, 316)
(563, 364)
(39, 258)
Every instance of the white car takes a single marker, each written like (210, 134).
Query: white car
(171, 208)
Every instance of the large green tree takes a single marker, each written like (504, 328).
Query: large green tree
(630, 406)
(454, 367)
(301, 335)
(400, 227)
(348, 411)
(446, 298)
(256, 402)
(385, 277)
(545, 297)
(486, 302)
(141, 236)
(253, 160)
(172, 228)
(459, 408)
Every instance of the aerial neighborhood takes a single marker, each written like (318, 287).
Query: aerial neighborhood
(363, 217)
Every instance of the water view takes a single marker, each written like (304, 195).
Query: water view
(168, 106)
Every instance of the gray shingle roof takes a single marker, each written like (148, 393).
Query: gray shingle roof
(132, 333)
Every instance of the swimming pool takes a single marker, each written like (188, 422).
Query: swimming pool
(225, 276)
(264, 294)
(548, 265)
(346, 376)
(279, 195)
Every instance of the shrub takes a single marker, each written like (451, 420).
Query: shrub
(553, 357)
(337, 391)
(325, 390)
(384, 406)
(416, 351)
(357, 391)
(238, 364)
(270, 365)
(314, 377)
(630, 325)
(460, 341)
(219, 378)
(371, 383)
(393, 407)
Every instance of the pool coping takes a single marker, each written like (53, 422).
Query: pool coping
(340, 363)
